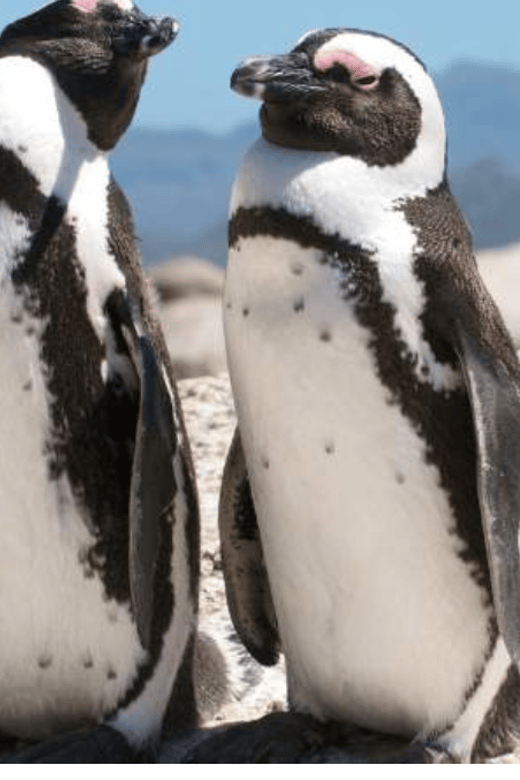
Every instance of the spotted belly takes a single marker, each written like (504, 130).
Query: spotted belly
(382, 620)
(68, 654)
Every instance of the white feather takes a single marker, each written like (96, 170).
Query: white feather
(40, 125)
(381, 53)
(381, 622)
(40, 574)
(460, 738)
(344, 196)
(68, 656)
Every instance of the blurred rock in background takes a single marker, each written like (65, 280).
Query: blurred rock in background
(500, 269)
(189, 293)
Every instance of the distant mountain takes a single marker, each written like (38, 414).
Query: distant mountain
(489, 193)
(179, 181)
(482, 106)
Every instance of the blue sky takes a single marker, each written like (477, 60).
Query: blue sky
(188, 84)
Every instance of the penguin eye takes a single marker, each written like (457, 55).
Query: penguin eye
(342, 76)
(366, 81)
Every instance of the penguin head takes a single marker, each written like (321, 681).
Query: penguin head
(351, 92)
(97, 50)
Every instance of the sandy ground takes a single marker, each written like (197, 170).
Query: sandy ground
(210, 418)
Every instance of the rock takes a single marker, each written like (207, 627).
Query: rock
(500, 269)
(189, 297)
(295, 738)
(186, 276)
(195, 336)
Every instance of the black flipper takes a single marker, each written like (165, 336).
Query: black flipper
(153, 487)
(247, 586)
(461, 311)
(494, 391)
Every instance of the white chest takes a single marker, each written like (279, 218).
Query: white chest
(43, 129)
(380, 620)
(67, 655)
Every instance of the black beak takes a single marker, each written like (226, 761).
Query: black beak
(279, 79)
(161, 33)
(143, 36)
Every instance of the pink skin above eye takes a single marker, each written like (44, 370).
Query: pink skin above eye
(85, 5)
(359, 69)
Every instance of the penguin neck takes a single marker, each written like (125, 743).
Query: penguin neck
(343, 195)
(40, 125)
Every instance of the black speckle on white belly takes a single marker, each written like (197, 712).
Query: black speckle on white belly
(368, 511)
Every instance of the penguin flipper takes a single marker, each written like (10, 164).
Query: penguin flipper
(494, 390)
(468, 319)
(247, 585)
(153, 487)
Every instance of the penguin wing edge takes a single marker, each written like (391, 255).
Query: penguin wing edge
(247, 585)
(153, 486)
(494, 391)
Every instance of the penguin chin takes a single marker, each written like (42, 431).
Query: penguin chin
(281, 125)
(285, 125)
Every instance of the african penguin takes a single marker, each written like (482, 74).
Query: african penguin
(375, 467)
(99, 523)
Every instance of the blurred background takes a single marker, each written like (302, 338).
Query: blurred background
(177, 161)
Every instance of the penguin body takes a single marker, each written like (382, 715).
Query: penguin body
(99, 528)
(373, 378)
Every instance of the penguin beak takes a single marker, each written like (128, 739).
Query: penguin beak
(281, 79)
(143, 36)
(161, 33)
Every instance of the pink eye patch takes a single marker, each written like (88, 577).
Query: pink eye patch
(85, 5)
(356, 67)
